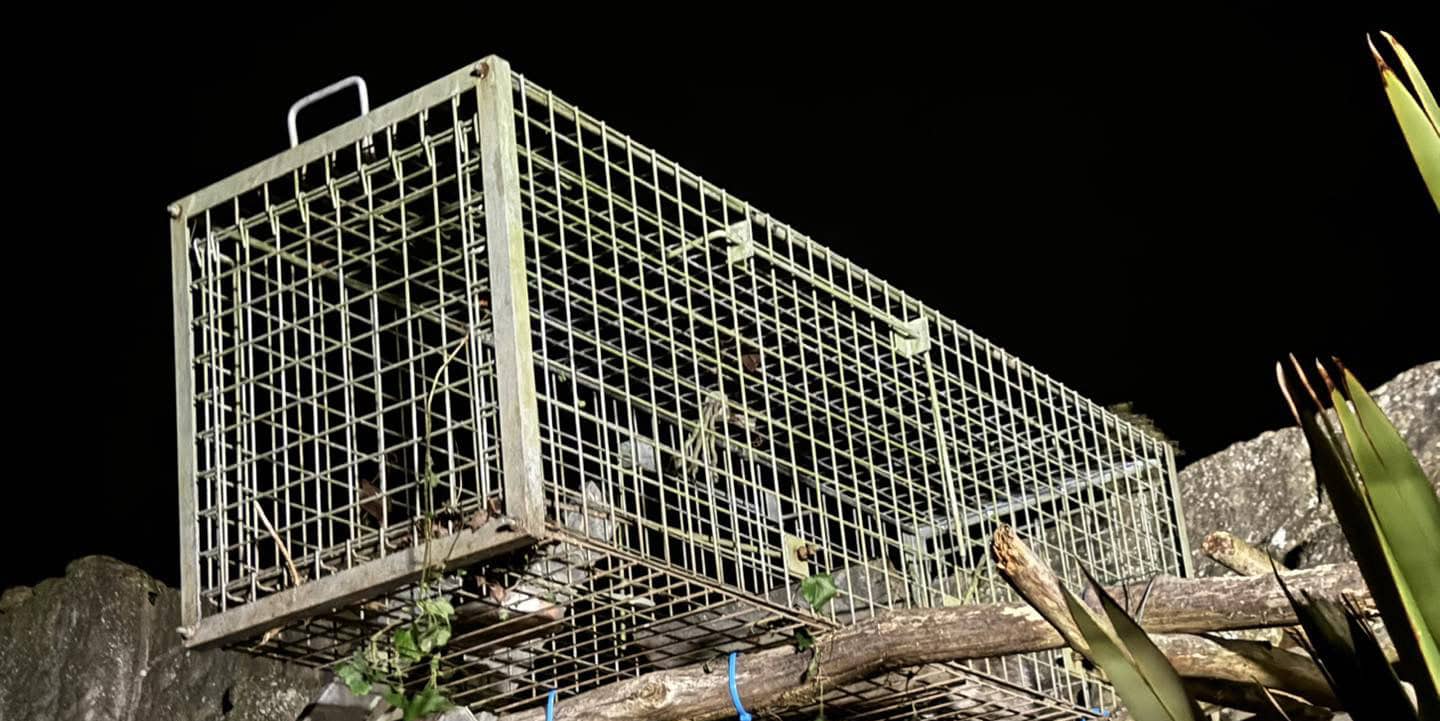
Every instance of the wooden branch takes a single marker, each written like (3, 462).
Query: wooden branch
(1247, 560)
(1235, 554)
(773, 680)
(1241, 557)
(1246, 663)
(1237, 661)
(1249, 697)
(1033, 579)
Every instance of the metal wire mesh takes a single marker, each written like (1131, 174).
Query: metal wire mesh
(323, 305)
(721, 394)
(725, 408)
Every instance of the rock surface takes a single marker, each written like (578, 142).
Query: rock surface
(1263, 490)
(100, 645)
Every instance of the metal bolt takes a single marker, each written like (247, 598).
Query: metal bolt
(173, 209)
(481, 71)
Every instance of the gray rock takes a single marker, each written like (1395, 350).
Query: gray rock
(1263, 490)
(100, 645)
(337, 703)
(14, 597)
(457, 714)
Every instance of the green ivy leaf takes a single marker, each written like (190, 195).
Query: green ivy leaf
(395, 697)
(437, 607)
(802, 639)
(426, 703)
(354, 675)
(434, 637)
(405, 645)
(818, 590)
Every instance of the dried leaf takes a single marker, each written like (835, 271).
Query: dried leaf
(371, 502)
(477, 520)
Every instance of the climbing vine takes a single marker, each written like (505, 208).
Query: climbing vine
(818, 590)
(384, 664)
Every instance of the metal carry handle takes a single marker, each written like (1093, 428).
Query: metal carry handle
(323, 93)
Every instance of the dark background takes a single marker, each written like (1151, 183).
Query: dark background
(1149, 208)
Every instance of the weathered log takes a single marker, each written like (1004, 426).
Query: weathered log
(1247, 560)
(1241, 557)
(1235, 554)
(1246, 663)
(774, 679)
(1034, 580)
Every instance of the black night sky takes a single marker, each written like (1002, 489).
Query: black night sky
(1150, 208)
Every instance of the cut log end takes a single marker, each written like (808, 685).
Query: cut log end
(1237, 555)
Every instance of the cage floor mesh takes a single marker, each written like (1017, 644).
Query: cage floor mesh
(574, 618)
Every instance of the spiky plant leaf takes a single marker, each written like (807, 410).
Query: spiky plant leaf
(1420, 132)
(1107, 653)
(1274, 702)
(1328, 642)
(1406, 508)
(1150, 661)
(1369, 692)
(1403, 546)
(1417, 81)
(1333, 471)
(1384, 685)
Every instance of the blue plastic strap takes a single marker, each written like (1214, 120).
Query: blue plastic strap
(735, 693)
(550, 707)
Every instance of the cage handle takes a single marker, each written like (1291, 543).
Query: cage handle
(323, 93)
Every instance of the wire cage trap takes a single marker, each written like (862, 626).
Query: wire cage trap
(639, 412)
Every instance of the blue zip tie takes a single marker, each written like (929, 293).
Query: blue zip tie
(550, 707)
(735, 694)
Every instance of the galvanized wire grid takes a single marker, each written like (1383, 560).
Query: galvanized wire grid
(726, 408)
(523, 626)
(721, 395)
(324, 302)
